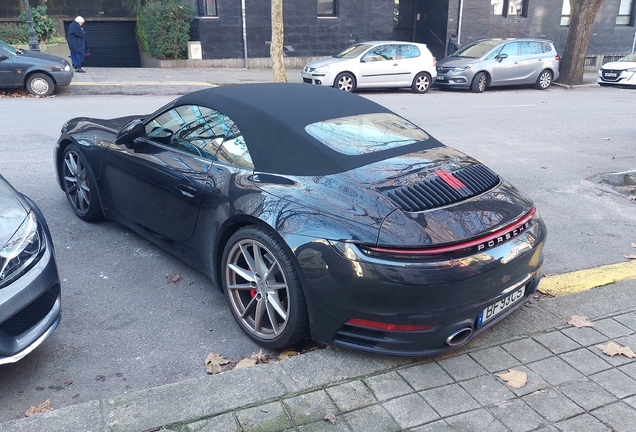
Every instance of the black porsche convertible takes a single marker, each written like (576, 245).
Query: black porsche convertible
(318, 213)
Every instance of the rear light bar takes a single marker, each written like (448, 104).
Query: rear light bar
(389, 327)
(481, 243)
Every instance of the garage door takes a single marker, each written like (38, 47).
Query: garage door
(112, 43)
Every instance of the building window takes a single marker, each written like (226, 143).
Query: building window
(326, 8)
(208, 8)
(509, 8)
(565, 13)
(624, 16)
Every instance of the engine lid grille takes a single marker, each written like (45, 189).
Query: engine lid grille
(444, 188)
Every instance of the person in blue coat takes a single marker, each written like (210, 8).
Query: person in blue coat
(77, 43)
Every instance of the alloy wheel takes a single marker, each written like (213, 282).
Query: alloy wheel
(482, 83)
(345, 83)
(422, 83)
(76, 182)
(545, 79)
(257, 289)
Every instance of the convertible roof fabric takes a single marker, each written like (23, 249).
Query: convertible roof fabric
(272, 118)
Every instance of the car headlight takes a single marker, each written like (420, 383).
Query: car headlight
(22, 250)
(67, 67)
(460, 68)
(630, 70)
(322, 69)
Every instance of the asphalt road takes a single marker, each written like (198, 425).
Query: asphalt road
(127, 327)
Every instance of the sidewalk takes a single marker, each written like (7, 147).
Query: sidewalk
(571, 385)
(136, 81)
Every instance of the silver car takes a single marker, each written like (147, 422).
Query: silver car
(500, 62)
(375, 64)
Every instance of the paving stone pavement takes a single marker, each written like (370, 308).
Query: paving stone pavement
(571, 384)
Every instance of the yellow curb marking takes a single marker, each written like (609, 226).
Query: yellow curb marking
(582, 280)
(128, 83)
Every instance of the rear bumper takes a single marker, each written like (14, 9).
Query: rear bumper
(446, 294)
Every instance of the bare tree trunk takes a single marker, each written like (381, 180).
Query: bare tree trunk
(276, 48)
(582, 16)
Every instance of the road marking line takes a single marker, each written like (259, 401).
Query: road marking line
(128, 83)
(505, 106)
(582, 280)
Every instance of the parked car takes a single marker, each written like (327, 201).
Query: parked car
(30, 307)
(500, 62)
(344, 222)
(375, 65)
(39, 73)
(622, 72)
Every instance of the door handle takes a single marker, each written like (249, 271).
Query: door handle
(395, 64)
(188, 191)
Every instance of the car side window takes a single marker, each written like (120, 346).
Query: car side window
(493, 54)
(546, 47)
(530, 48)
(234, 150)
(512, 49)
(191, 128)
(381, 53)
(409, 51)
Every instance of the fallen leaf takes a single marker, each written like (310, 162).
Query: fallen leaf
(634, 245)
(580, 321)
(287, 354)
(42, 408)
(612, 349)
(330, 417)
(514, 378)
(590, 234)
(174, 277)
(606, 139)
(213, 363)
(246, 362)
(630, 256)
(259, 356)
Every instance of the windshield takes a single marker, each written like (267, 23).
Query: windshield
(629, 58)
(368, 133)
(477, 49)
(353, 51)
(8, 47)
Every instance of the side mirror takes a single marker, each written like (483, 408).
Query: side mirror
(3, 56)
(131, 131)
(502, 56)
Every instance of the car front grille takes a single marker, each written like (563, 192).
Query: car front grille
(32, 314)
(611, 71)
(440, 190)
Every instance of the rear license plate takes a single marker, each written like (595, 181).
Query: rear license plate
(501, 305)
(611, 75)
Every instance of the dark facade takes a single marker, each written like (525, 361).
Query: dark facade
(307, 35)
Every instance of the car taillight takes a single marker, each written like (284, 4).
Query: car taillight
(434, 61)
(558, 58)
(389, 327)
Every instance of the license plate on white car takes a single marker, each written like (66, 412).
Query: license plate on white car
(306, 75)
(501, 305)
(611, 75)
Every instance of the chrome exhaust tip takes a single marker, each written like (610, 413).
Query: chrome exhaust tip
(459, 336)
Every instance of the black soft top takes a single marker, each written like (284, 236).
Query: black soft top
(272, 118)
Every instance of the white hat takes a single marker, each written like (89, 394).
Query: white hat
(79, 19)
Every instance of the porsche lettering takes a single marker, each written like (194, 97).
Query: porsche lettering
(515, 232)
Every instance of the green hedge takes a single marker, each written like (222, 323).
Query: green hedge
(13, 34)
(163, 28)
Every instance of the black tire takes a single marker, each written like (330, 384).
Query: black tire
(480, 82)
(345, 81)
(40, 84)
(79, 184)
(421, 83)
(544, 80)
(264, 283)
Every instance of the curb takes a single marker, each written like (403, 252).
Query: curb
(621, 178)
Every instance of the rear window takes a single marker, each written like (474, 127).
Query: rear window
(363, 134)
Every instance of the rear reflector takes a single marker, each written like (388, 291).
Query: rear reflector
(389, 327)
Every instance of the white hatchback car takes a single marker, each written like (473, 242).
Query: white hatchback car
(622, 72)
(375, 65)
